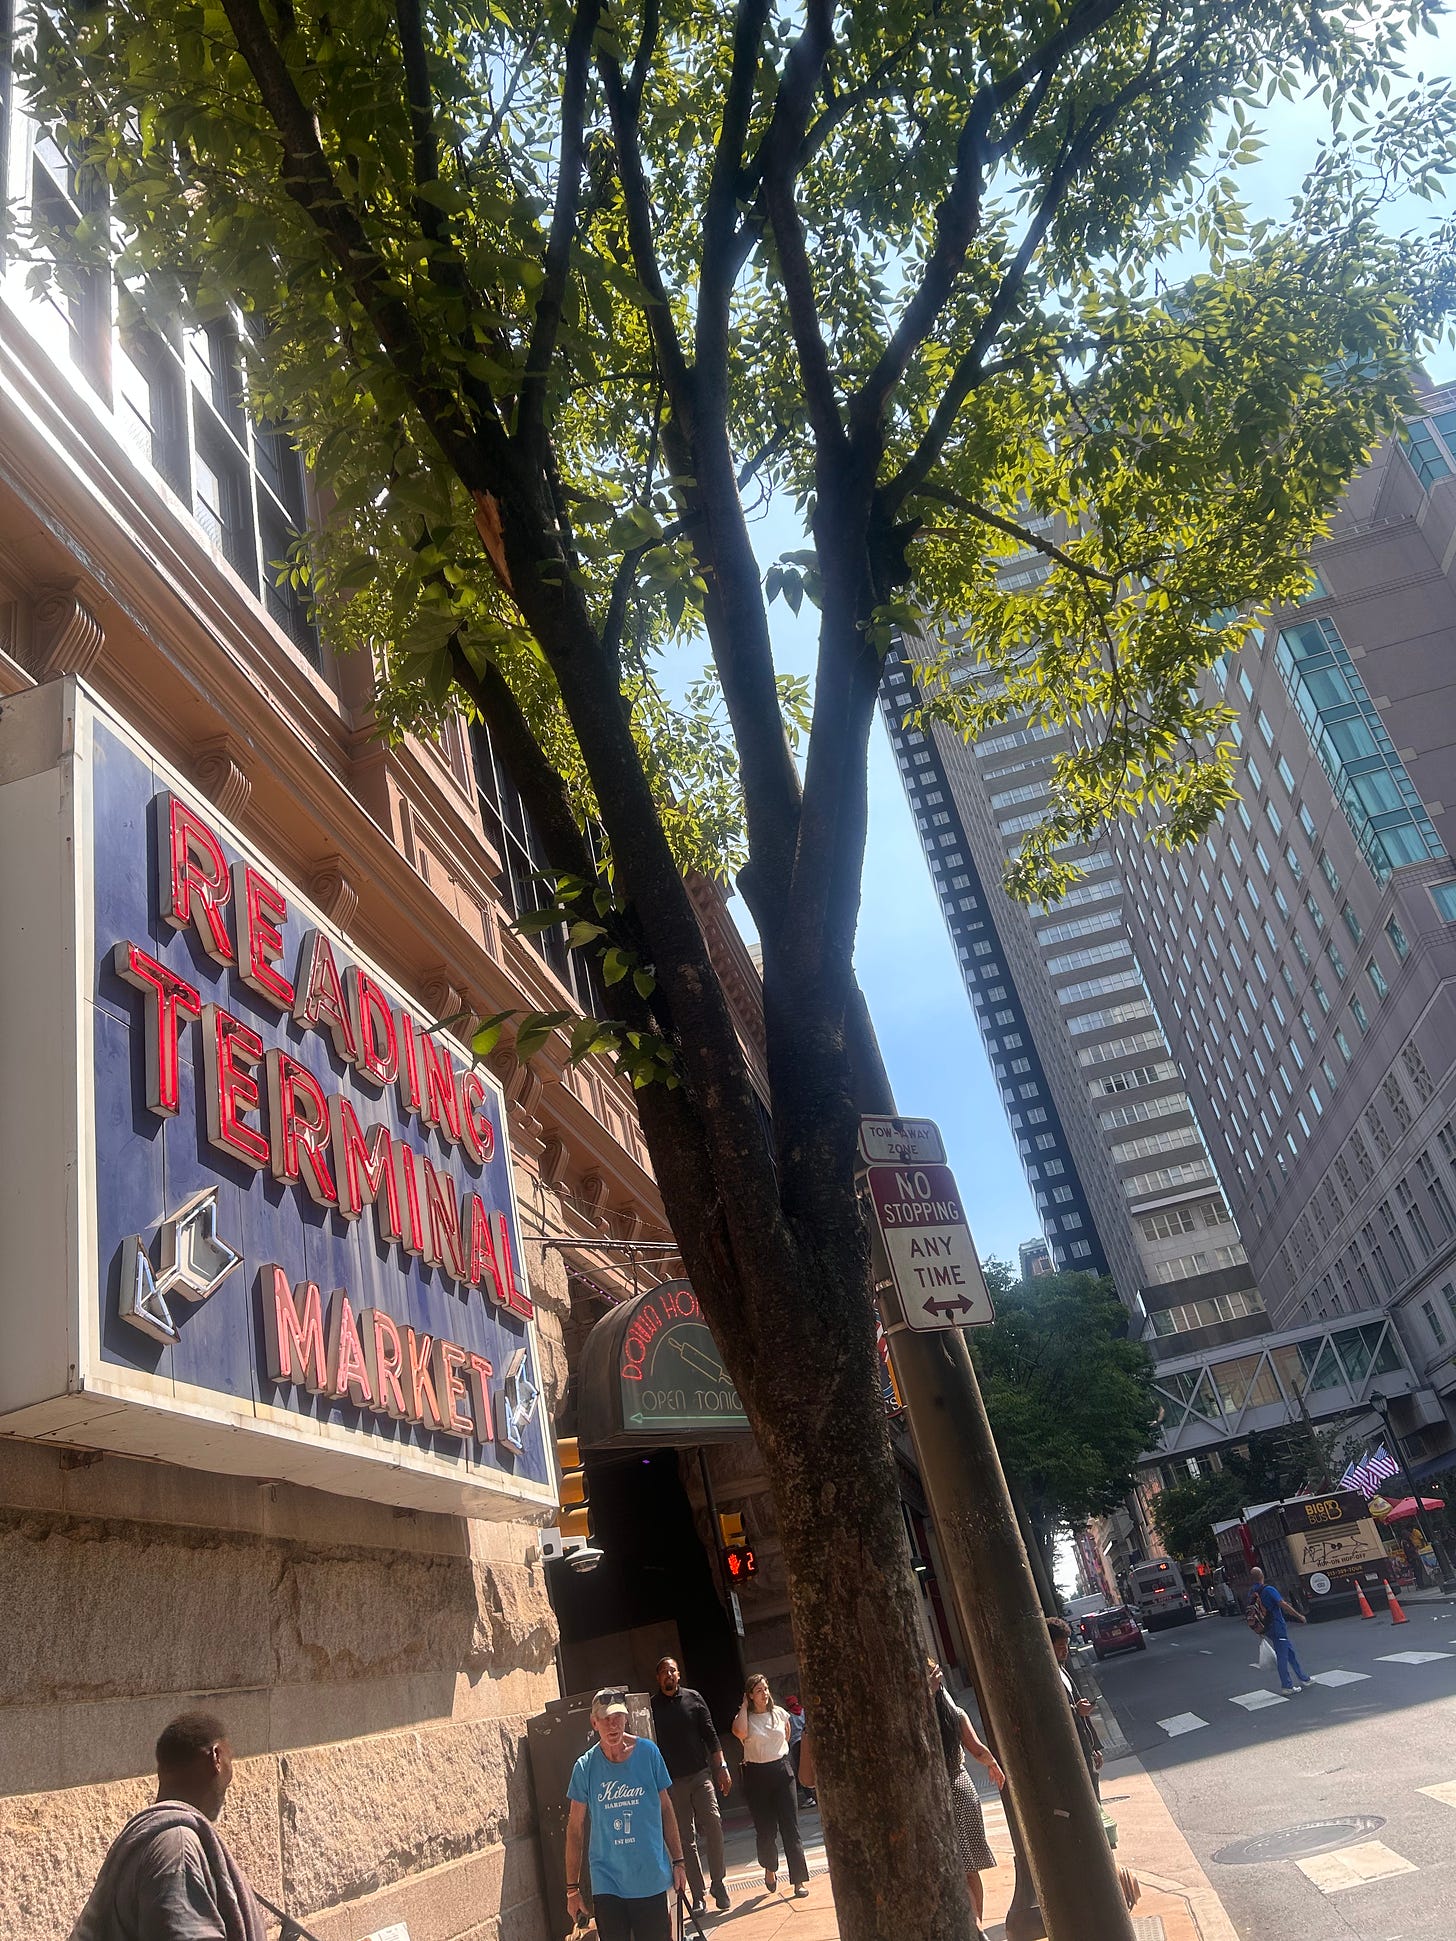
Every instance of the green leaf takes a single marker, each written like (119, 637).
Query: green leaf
(615, 965)
(487, 1033)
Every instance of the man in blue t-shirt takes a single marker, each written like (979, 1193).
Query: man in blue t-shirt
(1277, 1632)
(636, 1850)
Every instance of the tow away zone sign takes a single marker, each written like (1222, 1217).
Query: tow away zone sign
(928, 1252)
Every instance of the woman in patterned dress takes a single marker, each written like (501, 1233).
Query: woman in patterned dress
(957, 1738)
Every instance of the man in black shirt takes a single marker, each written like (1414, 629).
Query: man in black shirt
(688, 1742)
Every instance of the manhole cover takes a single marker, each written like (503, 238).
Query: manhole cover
(1301, 1842)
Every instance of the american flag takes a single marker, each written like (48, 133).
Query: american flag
(1367, 1476)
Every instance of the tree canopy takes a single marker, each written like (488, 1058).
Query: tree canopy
(1272, 1465)
(1070, 1397)
(549, 292)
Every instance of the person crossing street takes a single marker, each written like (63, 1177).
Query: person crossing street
(1267, 1614)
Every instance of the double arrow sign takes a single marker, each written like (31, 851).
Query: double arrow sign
(925, 1248)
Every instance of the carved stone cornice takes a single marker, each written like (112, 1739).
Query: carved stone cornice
(217, 768)
(332, 891)
(443, 998)
(66, 636)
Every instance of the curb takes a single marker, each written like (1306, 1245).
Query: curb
(1115, 1743)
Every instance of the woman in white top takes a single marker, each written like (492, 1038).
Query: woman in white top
(768, 1785)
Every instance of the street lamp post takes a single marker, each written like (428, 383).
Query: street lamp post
(1381, 1406)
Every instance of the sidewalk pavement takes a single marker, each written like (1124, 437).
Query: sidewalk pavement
(1178, 1903)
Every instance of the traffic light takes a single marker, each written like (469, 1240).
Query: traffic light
(730, 1527)
(573, 1518)
(740, 1562)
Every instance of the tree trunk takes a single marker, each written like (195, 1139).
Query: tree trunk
(880, 1770)
(805, 1363)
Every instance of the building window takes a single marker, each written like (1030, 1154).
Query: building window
(1420, 1078)
(1428, 453)
(1399, 943)
(1433, 1322)
(1377, 980)
(1370, 781)
(1337, 962)
(1443, 895)
(512, 835)
(1359, 1014)
(1410, 1207)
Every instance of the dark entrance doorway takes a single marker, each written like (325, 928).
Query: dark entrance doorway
(652, 1592)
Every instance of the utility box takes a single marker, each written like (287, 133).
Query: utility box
(556, 1739)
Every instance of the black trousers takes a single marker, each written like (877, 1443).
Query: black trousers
(773, 1802)
(637, 1920)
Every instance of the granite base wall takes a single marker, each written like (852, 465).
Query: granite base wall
(375, 1669)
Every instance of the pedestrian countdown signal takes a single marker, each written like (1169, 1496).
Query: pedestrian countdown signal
(739, 1562)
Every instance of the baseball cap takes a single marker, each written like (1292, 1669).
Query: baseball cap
(610, 1699)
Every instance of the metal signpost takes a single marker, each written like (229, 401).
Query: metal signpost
(1016, 1678)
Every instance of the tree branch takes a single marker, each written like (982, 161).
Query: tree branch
(968, 372)
(958, 216)
(545, 326)
(1035, 541)
(781, 148)
(309, 180)
(641, 237)
(719, 267)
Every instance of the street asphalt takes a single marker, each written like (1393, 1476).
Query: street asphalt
(1363, 1744)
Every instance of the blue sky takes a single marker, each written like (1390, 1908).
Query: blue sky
(905, 959)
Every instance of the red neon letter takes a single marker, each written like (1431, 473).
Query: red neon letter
(320, 995)
(409, 1065)
(384, 1357)
(482, 1251)
(407, 1189)
(449, 1360)
(293, 1327)
(298, 1127)
(174, 999)
(348, 1369)
(516, 1301)
(442, 1103)
(262, 910)
(475, 1125)
(364, 1167)
(193, 875)
(479, 1379)
(442, 1218)
(372, 1022)
(424, 1403)
(231, 1052)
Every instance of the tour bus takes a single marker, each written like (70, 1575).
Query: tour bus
(1160, 1594)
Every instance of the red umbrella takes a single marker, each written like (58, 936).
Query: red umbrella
(1407, 1507)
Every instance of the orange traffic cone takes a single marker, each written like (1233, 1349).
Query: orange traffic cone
(1365, 1610)
(1397, 1615)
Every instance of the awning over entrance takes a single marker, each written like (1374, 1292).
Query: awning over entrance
(650, 1377)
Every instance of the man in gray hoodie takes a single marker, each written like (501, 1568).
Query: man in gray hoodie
(168, 1875)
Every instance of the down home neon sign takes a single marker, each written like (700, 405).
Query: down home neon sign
(301, 1209)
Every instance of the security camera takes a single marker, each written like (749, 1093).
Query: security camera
(585, 1559)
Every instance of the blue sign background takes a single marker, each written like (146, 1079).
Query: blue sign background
(147, 1166)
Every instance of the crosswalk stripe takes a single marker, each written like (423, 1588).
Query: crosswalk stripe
(1257, 1701)
(1339, 1677)
(1354, 1866)
(1182, 1722)
(1412, 1657)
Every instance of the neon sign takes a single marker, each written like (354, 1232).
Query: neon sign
(295, 1211)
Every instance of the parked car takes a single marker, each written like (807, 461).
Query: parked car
(1116, 1630)
(1082, 1610)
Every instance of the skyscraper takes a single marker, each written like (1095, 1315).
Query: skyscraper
(1253, 1040)
(1303, 958)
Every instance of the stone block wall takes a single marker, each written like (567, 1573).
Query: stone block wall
(375, 1669)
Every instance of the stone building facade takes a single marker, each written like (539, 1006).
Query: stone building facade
(374, 1657)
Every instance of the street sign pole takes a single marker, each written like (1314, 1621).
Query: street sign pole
(1016, 1675)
